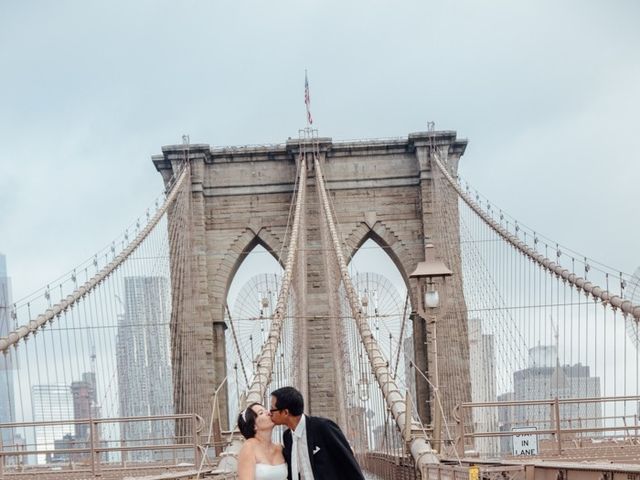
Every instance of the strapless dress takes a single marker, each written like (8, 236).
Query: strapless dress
(264, 471)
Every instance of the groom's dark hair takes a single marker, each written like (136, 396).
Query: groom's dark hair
(289, 398)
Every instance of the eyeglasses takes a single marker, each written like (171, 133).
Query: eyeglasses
(273, 410)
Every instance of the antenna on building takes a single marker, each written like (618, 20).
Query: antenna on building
(93, 357)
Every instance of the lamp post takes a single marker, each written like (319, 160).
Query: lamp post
(426, 273)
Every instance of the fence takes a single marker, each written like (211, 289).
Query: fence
(580, 428)
(89, 447)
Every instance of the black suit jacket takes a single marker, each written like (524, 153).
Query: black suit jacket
(334, 459)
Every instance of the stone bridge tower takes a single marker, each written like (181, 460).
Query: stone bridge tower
(382, 190)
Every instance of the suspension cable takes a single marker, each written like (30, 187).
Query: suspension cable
(41, 320)
(582, 283)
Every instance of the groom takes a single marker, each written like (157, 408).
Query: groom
(314, 447)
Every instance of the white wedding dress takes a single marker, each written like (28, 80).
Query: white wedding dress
(264, 471)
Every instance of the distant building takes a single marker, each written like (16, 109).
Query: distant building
(144, 363)
(505, 421)
(67, 442)
(483, 386)
(543, 356)
(381, 442)
(567, 381)
(84, 403)
(83, 407)
(545, 379)
(51, 403)
(7, 398)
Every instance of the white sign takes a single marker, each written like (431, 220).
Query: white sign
(526, 444)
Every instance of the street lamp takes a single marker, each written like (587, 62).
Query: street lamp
(426, 272)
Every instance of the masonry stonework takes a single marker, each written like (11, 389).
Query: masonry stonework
(380, 190)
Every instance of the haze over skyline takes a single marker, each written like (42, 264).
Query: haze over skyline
(546, 93)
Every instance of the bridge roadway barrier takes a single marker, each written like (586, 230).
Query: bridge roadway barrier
(561, 436)
(101, 457)
(385, 465)
(389, 467)
(470, 469)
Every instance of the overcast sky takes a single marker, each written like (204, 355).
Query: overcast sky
(547, 92)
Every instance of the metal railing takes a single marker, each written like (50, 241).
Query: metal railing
(101, 455)
(564, 434)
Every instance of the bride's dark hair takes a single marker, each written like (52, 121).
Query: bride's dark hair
(247, 421)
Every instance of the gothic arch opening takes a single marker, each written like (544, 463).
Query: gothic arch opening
(373, 252)
(257, 258)
(251, 299)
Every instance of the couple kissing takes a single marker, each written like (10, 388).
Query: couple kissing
(314, 447)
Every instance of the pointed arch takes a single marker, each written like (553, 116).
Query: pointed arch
(235, 255)
(246, 243)
(387, 240)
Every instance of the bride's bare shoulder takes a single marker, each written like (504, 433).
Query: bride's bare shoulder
(249, 444)
(248, 447)
(246, 460)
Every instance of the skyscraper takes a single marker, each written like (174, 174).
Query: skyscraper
(84, 403)
(544, 380)
(7, 399)
(51, 403)
(483, 385)
(144, 366)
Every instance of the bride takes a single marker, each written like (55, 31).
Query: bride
(259, 458)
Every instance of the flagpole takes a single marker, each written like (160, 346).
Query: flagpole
(307, 100)
(306, 95)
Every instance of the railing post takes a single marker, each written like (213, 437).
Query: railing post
(2, 457)
(196, 450)
(92, 448)
(96, 437)
(458, 415)
(529, 472)
(556, 407)
(124, 454)
(217, 427)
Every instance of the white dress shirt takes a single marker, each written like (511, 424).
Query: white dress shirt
(300, 462)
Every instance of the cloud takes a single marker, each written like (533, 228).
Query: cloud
(543, 91)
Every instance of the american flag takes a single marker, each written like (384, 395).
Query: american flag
(307, 99)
